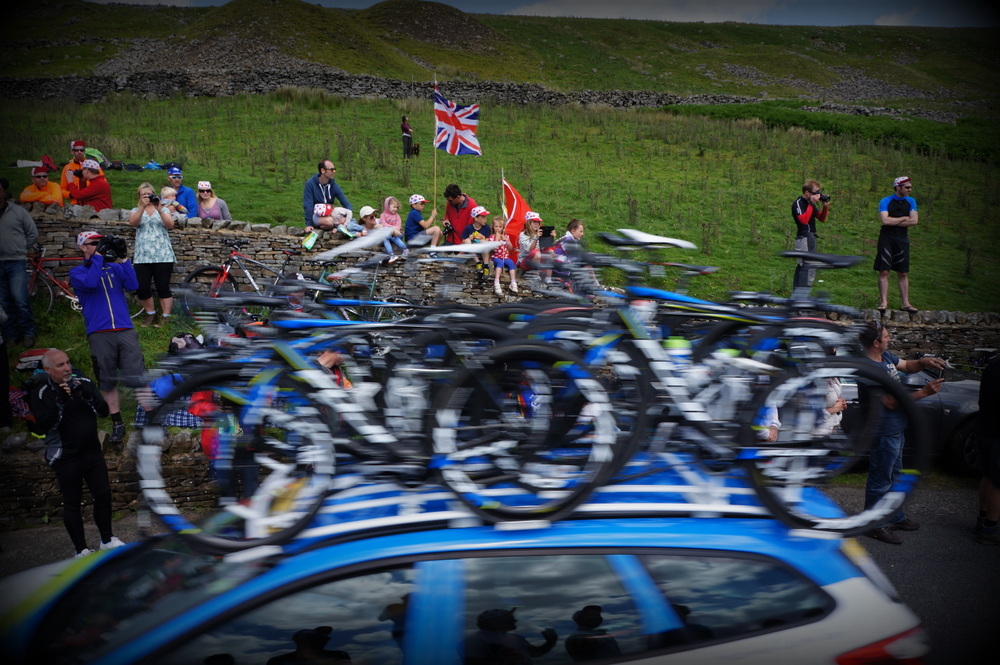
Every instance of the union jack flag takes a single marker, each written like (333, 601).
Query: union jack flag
(456, 127)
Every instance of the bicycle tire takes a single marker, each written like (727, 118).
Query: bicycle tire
(206, 282)
(40, 294)
(788, 473)
(279, 429)
(528, 435)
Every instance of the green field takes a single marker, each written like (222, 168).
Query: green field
(724, 184)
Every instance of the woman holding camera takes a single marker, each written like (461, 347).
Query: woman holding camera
(209, 205)
(153, 257)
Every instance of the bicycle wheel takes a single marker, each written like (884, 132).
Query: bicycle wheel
(264, 435)
(209, 282)
(811, 449)
(40, 294)
(528, 435)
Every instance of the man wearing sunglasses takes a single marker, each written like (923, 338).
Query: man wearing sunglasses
(79, 151)
(813, 205)
(897, 213)
(100, 284)
(42, 189)
(185, 195)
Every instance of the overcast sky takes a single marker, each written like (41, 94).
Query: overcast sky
(938, 13)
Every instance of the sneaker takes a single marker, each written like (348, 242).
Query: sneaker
(513, 287)
(112, 544)
(496, 289)
(886, 535)
(988, 536)
(406, 253)
(82, 553)
(28, 342)
(393, 258)
(118, 433)
(905, 525)
(148, 320)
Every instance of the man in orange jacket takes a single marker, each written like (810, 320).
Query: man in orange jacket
(41, 189)
(96, 191)
(79, 151)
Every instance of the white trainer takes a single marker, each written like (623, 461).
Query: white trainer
(82, 553)
(112, 544)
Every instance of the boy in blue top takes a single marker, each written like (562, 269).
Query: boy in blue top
(416, 224)
(897, 213)
(100, 283)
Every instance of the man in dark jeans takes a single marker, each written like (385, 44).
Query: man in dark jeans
(885, 460)
(66, 408)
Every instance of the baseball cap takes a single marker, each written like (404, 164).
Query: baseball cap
(417, 198)
(173, 170)
(900, 181)
(322, 210)
(39, 170)
(77, 145)
(91, 164)
(532, 217)
(204, 184)
(84, 236)
(365, 211)
(479, 211)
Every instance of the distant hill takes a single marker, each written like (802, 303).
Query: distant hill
(410, 40)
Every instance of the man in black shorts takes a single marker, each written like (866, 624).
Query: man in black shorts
(897, 213)
(988, 436)
(100, 283)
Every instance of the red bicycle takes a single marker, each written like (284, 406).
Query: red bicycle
(43, 285)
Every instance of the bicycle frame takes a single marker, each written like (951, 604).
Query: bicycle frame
(38, 270)
(241, 261)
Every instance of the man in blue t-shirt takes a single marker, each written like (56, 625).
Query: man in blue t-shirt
(185, 195)
(897, 213)
(885, 460)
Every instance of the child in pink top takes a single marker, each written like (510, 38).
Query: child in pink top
(501, 255)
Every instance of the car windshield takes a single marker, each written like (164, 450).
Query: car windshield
(131, 594)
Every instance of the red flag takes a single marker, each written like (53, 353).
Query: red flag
(514, 207)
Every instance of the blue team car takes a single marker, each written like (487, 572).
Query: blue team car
(657, 569)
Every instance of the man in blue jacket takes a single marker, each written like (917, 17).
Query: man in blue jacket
(185, 195)
(100, 283)
(322, 188)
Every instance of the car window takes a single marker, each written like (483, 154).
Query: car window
(130, 595)
(357, 619)
(720, 597)
(547, 609)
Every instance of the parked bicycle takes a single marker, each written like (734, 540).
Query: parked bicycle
(44, 286)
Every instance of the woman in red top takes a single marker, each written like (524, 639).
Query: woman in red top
(96, 192)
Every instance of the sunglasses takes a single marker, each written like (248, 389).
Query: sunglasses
(93, 243)
(40, 176)
(205, 191)
(79, 150)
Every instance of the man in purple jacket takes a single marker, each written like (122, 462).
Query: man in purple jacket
(100, 283)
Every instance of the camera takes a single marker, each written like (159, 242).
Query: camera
(78, 173)
(112, 248)
(446, 225)
(155, 200)
(824, 198)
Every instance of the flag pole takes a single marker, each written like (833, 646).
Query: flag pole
(434, 148)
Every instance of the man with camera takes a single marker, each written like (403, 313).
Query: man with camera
(66, 408)
(100, 283)
(96, 191)
(811, 206)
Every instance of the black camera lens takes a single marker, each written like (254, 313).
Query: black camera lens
(824, 198)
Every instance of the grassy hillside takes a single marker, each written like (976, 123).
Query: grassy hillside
(725, 184)
(411, 40)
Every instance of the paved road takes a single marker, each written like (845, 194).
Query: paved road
(949, 580)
